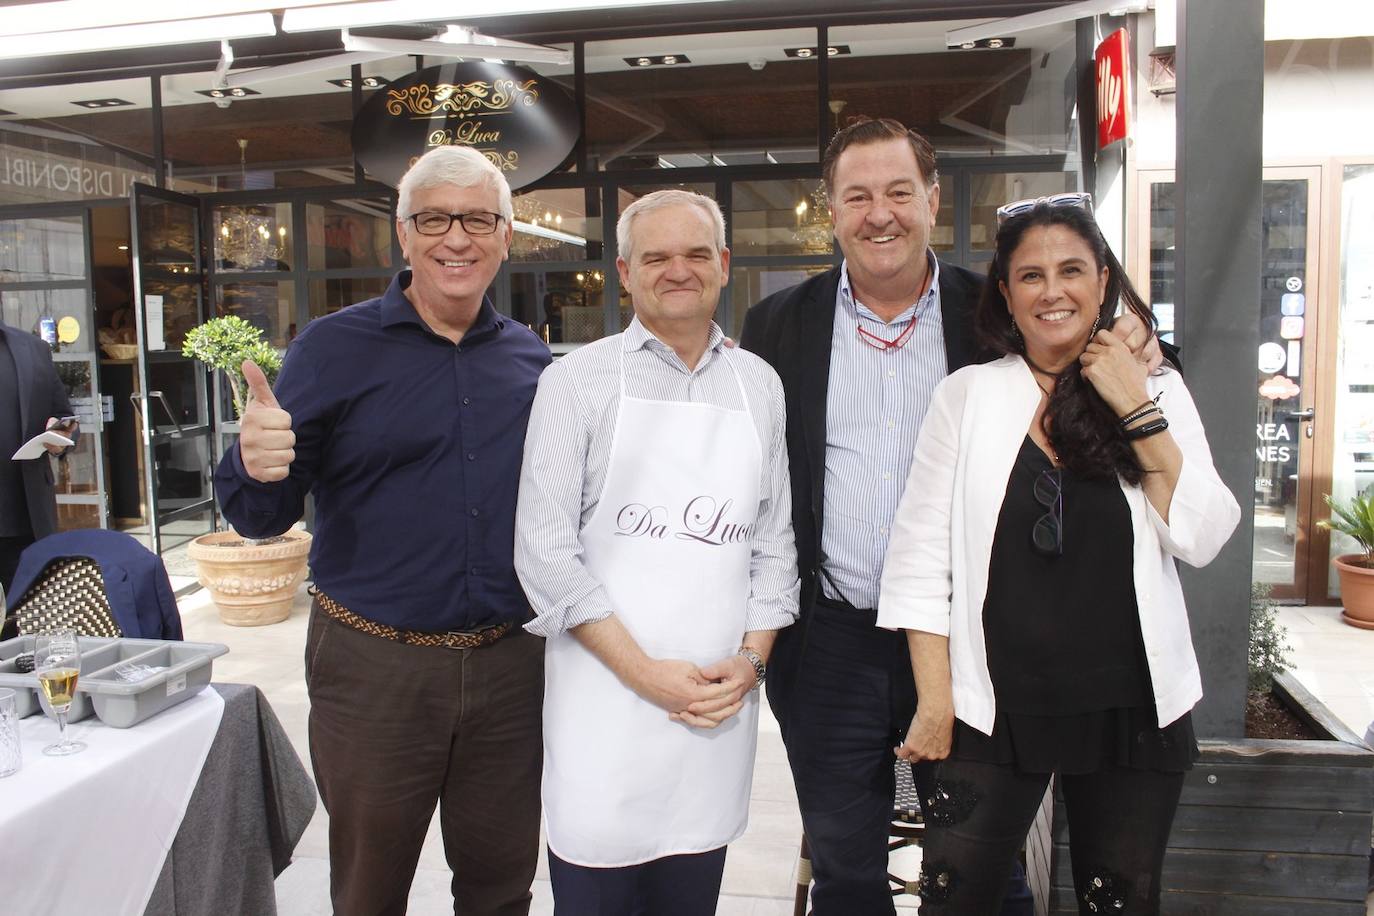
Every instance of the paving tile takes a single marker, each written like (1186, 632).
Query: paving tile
(1333, 660)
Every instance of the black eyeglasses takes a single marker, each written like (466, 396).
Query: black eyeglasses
(430, 222)
(1047, 535)
(1081, 199)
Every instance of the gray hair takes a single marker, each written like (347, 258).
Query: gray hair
(456, 165)
(624, 228)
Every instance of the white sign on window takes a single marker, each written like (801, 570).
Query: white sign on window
(152, 308)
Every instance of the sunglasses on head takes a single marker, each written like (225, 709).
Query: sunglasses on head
(1081, 199)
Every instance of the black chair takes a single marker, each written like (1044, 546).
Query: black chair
(69, 593)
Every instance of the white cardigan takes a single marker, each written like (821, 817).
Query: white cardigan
(935, 577)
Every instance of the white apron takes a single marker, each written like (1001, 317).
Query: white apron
(670, 540)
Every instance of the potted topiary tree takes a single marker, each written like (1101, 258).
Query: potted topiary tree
(1355, 519)
(251, 580)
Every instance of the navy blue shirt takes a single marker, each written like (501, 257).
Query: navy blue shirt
(411, 445)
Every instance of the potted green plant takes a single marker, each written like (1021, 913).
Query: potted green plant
(222, 344)
(1355, 518)
(252, 581)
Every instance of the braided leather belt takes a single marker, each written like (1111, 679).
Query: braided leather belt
(453, 639)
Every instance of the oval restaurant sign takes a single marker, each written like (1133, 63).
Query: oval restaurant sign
(524, 123)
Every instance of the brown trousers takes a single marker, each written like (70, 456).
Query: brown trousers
(396, 728)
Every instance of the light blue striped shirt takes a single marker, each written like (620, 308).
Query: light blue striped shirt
(568, 448)
(876, 402)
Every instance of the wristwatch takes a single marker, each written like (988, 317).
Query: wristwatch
(760, 669)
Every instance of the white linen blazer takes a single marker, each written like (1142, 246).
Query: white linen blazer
(935, 577)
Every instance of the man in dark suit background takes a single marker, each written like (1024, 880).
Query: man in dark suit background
(32, 399)
(860, 349)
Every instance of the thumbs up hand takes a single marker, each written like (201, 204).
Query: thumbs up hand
(266, 442)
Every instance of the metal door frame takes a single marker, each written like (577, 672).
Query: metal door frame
(150, 437)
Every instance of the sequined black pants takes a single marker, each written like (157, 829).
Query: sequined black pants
(1119, 822)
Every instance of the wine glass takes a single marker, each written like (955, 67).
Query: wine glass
(57, 662)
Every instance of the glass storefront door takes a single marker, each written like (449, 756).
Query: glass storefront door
(1287, 383)
(47, 270)
(171, 397)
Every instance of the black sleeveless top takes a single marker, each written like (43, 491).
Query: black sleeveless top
(1062, 633)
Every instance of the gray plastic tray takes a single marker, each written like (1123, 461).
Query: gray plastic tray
(96, 653)
(187, 667)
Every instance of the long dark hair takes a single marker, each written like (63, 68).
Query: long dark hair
(1087, 433)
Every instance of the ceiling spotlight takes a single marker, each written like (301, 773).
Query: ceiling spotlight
(809, 53)
(369, 82)
(991, 44)
(237, 92)
(103, 103)
(661, 60)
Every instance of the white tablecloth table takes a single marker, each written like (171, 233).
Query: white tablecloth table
(89, 833)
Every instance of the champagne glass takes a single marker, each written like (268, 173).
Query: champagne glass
(57, 662)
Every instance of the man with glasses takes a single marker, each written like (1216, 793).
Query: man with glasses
(405, 416)
(860, 349)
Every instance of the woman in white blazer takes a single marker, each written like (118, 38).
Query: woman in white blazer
(1032, 564)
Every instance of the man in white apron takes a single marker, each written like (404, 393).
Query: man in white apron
(654, 541)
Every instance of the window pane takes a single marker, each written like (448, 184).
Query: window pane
(750, 284)
(167, 235)
(729, 99)
(328, 296)
(780, 218)
(555, 225)
(1161, 292)
(1352, 470)
(53, 149)
(992, 191)
(942, 235)
(180, 309)
(24, 308)
(265, 305)
(76, 473)
(179, 380)
(1009, 101)
(42, 249)
(176, 533)
(564, 307)
(252, 238)
(349, 233)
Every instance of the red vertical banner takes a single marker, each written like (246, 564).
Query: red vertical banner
(1111, 60)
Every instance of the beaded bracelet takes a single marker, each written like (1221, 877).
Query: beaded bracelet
(1141, 406)
(1140, 414)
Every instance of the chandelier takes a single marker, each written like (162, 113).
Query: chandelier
(538, 227)
(813, 232)
(592, 281)
(246, 238)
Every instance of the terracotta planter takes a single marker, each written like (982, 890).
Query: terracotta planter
(252, 584)
(1357, 591)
